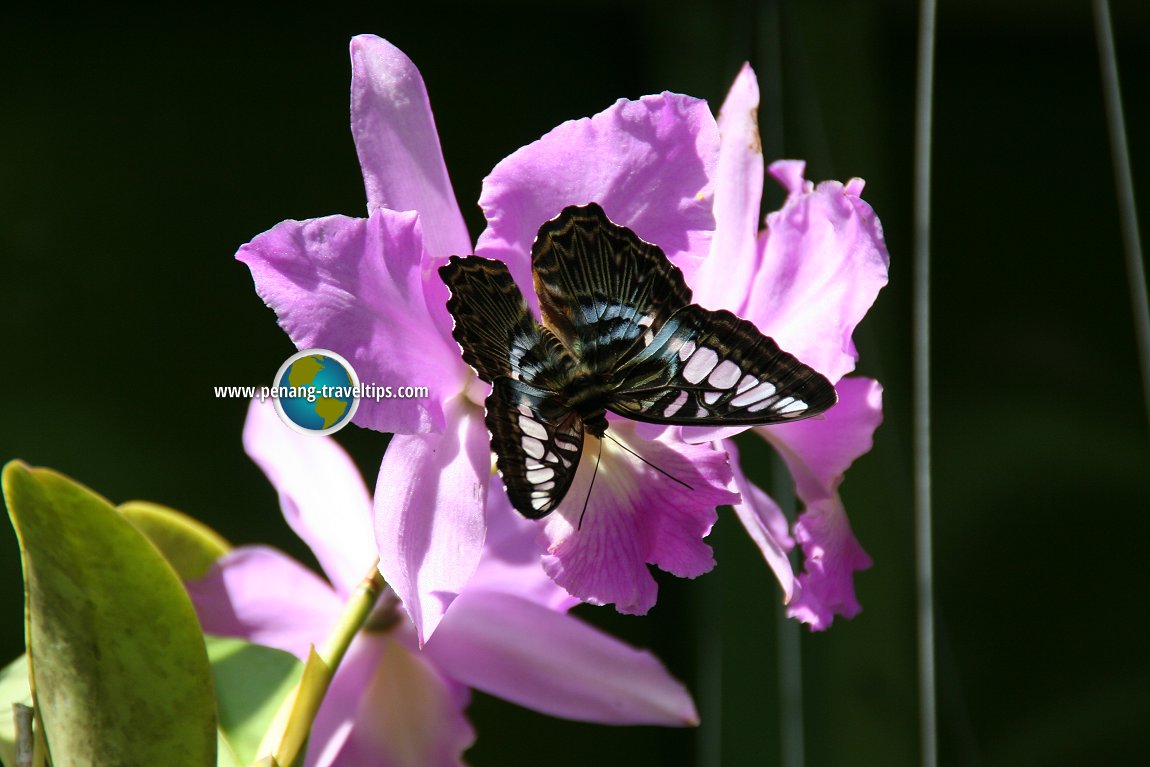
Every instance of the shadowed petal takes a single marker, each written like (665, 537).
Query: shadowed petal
(723, 277)
(512, 562)
(429, 512)
(407, 715)
(818, 451)
(337, 713)
(635, 516)
(554, 663)
(398, 145)
(648, 163)
(261, 595)
(831, 556)
(321, 494)
(765, 523)
(822, 263)
(355, 286)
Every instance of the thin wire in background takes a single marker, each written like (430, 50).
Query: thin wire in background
(1127, 212)
(928, 717)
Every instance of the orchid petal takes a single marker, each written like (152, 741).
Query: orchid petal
(765, 523)
(398, 145)
(429, 513)
(554, 663)
(722, 280)
(261, 595)
(511, 562)
(355, 286)
(408, 715)
(818, 453)
(321, 494)
(822, 263)
(831, 556)
(648, 163)
(337, 713)
(636, 515)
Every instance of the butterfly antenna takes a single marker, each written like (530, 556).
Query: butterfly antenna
(591, 486)
(644, 460)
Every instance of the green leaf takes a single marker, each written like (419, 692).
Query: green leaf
(251, 682)
(225, 756)
(287, 738)
(13, 689)
(120, 675)
(190, 546)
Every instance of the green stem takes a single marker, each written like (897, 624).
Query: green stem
(289, 731)
(355, 612)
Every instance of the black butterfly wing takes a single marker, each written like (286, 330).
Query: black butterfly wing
(494, 327)
(600, 287)
(537, 443)
(712, 368)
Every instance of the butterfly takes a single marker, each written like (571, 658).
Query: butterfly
(619, 334)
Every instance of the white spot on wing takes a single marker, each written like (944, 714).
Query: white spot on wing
(724, 376)
(746, 383)
(674, 407)
(532, 427)
(540, 475)
(712, 397)
(769, 402)
(686, 350)
(760, 392)
(794, 406)
(702, 362)
(532, 446)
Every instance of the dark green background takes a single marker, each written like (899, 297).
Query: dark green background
(139, 149)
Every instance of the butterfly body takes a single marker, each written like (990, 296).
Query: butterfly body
(619, 335)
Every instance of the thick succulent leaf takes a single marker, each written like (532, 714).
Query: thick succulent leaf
(190, 546)
(119, 671)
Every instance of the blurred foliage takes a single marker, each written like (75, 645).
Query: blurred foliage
(139, 149)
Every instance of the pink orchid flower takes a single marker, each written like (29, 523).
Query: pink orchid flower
(368, 290)
(806, 280)
(391, 704)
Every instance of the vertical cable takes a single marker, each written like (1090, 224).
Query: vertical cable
(1127, 212)
(928, 718)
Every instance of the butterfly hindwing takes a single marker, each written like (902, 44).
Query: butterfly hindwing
(713, 368)
(537, 443)
(600, 286)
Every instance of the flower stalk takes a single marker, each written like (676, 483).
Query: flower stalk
(289, 731)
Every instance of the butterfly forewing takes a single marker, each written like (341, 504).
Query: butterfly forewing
(537, 443)
(600, 287)
(493, 325)
(713, 368)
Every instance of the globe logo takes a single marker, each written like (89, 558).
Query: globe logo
(316, 392)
